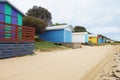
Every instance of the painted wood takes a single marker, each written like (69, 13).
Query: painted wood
(53, 36)
(67, 36)
(12, 50)
(8, 9)
(93, 40)
(97, 39)
(8, 19)
(80, 37)
(100, 40)
(9, 14)
(57, 34)
(14, 20)
(2, 6)
(2, 18)
(86, 38)
(19, 19)
(14, 12)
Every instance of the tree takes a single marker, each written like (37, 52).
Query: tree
(36, 23)
(79, 29)
(59, 24)
(41, 13)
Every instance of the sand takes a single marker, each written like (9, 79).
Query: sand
(111, 71)
(71, 64)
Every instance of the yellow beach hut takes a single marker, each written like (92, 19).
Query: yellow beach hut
(97, 39)
(93, 38)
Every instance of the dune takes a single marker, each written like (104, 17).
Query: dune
(70, 64)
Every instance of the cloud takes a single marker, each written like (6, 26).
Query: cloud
(99, 16)
(114, 36)
(112, 32)
(105, 29)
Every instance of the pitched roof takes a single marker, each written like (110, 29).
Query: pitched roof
(12, 6)
(59, 27)
(80, 33)
(93, 35)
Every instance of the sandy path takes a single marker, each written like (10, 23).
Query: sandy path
(93, 73)
(60, 65)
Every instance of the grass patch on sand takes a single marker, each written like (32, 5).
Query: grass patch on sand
(116, 43)
(47, 46)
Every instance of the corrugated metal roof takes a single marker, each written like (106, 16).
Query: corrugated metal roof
(12, 6)
(59, 27)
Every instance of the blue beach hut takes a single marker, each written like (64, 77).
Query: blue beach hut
(104, 39)
(101, 39)
(58, 34)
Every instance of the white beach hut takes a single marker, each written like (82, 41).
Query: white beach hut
(80, 37)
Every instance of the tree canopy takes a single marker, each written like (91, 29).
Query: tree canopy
(59, 24)
(79, 29)
(36, 23)
(41, 13)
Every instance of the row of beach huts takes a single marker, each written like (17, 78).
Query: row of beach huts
(18, 40)
(65, 34)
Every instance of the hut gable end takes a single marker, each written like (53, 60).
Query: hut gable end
(9, 5)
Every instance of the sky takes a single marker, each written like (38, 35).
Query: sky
(97, 16)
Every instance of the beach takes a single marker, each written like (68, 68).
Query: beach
(72, 64)
(111, 70)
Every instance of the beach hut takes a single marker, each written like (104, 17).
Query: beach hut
(112, 41)
(103, 40)
(80, 37)
(58, 34)
(15, 39)
(96, 39)
(108, 40)
(93, 38)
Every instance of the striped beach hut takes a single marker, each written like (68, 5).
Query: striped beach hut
(15, 39)
(80, 37)
(58, 34)
(9, 13)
